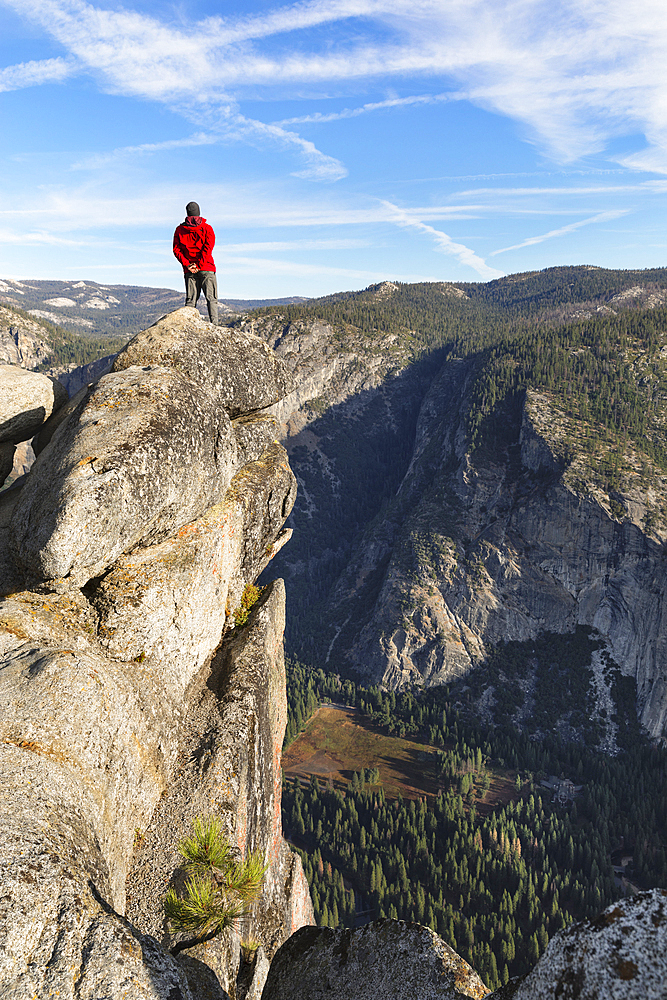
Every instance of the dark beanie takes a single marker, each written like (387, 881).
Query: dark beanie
(192, 208)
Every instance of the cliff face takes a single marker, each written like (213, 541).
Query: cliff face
(483, 547)
(418, 549)
(121, 704)
(348, 427)
(23, 341)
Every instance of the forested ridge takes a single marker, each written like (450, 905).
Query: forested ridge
(65, 347)
(579, 351)
(604, 369)
(495, 880)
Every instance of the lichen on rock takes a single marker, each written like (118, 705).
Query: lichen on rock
(385, 960)
(619, 955)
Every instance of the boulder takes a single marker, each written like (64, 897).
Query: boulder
(27, 399)
(63, 940)
(620, 955)
(385, 960)
(147, 449)
(169, 603)
(239, 369)
(144, 452)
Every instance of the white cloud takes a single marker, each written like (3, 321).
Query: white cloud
(35, 73)
(123, 152)
(271, 246)
(38, 238)
(443, 242)
(394, 102)
(319, 166)
(564, 230)
(575, 74)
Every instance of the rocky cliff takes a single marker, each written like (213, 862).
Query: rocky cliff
(452, 517)
(481, 548)
(131, 703)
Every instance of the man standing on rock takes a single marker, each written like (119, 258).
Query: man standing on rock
(194, 240)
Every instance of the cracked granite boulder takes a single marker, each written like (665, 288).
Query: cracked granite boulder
(147, 449)
(619, 955)
(385, 960)
(27, 400)
(101, 686)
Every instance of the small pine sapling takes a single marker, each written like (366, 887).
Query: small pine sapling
(218, 890)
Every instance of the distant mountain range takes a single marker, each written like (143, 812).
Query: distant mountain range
(106, 310)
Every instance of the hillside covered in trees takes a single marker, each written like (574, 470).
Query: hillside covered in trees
(454, 427)
(495, 880)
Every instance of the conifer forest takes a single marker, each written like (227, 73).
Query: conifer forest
(496, 882)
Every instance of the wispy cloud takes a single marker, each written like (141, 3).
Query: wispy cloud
(145, 148)
(319, 166)
(443, 242)
(241, 205)
(394, 102)
(35, 73)
(564, 230)
(272, 246)
(575, 74)
(39, 238)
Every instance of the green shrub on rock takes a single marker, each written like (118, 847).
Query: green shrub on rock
(219, 887)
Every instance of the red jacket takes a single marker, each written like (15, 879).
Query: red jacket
(194, 244)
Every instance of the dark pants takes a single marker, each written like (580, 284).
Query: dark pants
(206, 282)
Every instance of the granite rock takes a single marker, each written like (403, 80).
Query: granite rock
(619, 955)
(104, 688)
(385, 960)
(254, 432)
(240, 369)
(146, 449)
(68, 943)
(229, 764)
(143, 453)
(27, 399)
(168, 603)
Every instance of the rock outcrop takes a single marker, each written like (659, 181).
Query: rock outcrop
(620, 955)
(228, 764)
(385, 960)
(146, 450)
(27, 400)
(112, 690)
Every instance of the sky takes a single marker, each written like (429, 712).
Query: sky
(332, 144)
